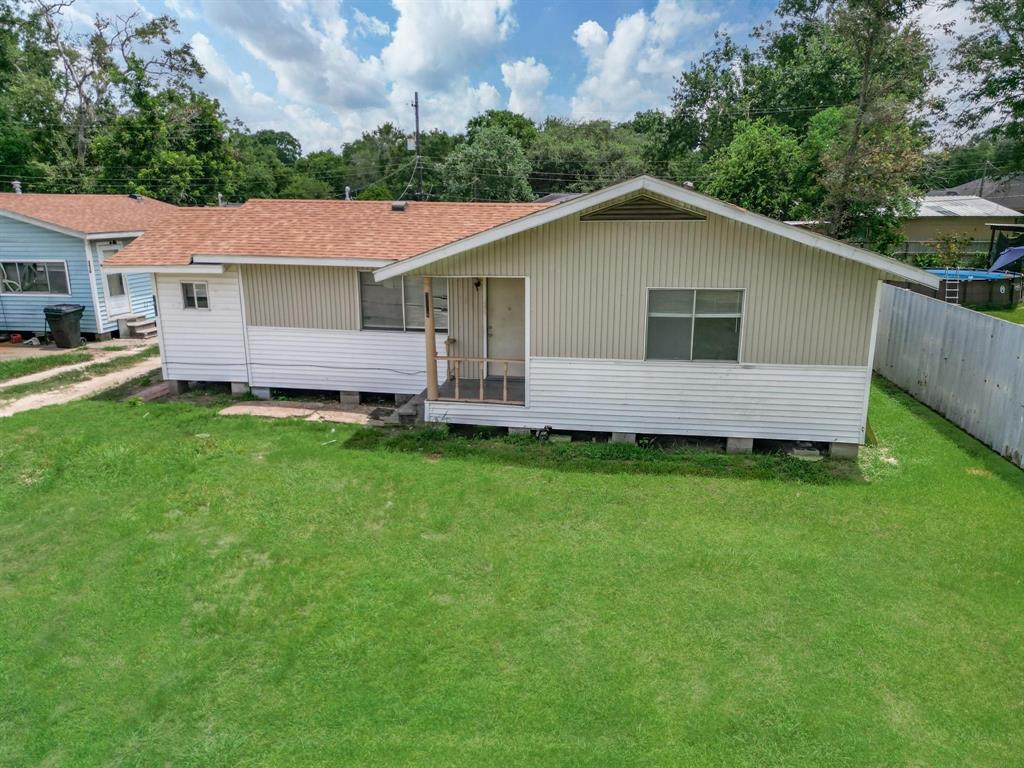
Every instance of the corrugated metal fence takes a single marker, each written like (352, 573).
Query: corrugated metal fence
(967, 366)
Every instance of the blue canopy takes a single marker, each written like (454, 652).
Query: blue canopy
(1007, 257)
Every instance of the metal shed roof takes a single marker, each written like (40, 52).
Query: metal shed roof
(961, 205)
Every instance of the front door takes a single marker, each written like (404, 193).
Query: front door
(506, 324)
(115, 289)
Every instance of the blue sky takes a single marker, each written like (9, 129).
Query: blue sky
(327, 70)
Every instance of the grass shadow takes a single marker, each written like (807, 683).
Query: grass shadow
(962, 440)
(436, 442)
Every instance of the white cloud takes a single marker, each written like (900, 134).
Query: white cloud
(434, 42)
(526, 80)
(236, 86)
(329, 94)
(183, 9)
(367, 26)
(632, 69)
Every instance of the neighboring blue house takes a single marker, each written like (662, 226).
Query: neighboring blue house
(51, 249)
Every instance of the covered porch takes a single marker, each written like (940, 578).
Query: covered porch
(485, 353)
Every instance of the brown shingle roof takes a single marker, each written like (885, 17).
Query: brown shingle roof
(342, 229)
(88, 214)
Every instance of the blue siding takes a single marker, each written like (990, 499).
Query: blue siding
(20, 241)
(140, 289)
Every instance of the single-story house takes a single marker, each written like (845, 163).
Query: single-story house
(643, 307)
(52, 248)
(967, 215)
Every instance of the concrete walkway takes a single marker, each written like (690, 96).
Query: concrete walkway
(98, 356)
(79, 390)
(359, 414)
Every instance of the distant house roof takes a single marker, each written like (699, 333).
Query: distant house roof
(321, 231)
(961, 205)
(1007, 191)
(84, 215)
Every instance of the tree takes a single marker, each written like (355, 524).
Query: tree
(376, 191)
(308, 188)
(285, 146)
(866, 199)
(989, 63)
(380, 156)
(572, 156)
(519, 127)
(758, 169)
(123, 53)
(492, 166)
(869, 167)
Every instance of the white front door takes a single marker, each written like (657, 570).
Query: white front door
(115, 288)
(506, 324)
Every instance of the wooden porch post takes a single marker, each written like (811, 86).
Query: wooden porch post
(428, 335)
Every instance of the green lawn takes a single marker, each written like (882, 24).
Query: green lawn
(1015, 315)
(182, 589)
(23, 366)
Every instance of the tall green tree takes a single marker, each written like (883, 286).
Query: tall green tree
(758, 169)
(570, 156)
(521, 128)
(989, 63)
(493, 166)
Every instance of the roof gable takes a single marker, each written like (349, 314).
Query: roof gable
(643, 207)
(680, 195)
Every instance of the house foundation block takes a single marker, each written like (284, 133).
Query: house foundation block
(261, 393)
(843, 450)
(346, 397)
(739, 445)
(177, 386)
(623, 437)
(520, 431)
(239, 388)
(401, 399)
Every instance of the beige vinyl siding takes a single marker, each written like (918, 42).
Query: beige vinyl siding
(588, 288)
(466, 321)
(930, 227)
(302, 297)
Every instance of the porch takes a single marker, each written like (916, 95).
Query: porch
(485, 353)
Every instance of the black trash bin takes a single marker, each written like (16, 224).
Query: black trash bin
(65, 321)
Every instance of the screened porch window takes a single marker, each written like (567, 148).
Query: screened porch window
(34, 277)
(694, 324)
(397, 304)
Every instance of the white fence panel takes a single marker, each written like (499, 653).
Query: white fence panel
(967, 366)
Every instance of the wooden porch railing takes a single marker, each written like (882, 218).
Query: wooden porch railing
(455, 375)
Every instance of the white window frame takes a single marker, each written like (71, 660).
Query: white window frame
(206, 290)
(741, 316)
(62, 262)
(405, 323)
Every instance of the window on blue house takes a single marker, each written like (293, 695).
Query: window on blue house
(50, 277)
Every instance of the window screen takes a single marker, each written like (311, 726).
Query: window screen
(195, 295)
(34, 277)
(687, 324)
(397, 304)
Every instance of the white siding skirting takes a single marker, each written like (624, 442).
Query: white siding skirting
(202, 344)
(782, 402)
(363, 361)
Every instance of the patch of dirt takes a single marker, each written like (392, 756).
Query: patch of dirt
(979, 472)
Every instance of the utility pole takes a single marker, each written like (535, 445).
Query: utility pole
(418, 168)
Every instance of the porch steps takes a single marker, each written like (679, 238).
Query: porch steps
(141, 327)
(411, 412)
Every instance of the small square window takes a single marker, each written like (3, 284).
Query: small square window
(195, 296)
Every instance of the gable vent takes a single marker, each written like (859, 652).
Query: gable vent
(642, 209)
